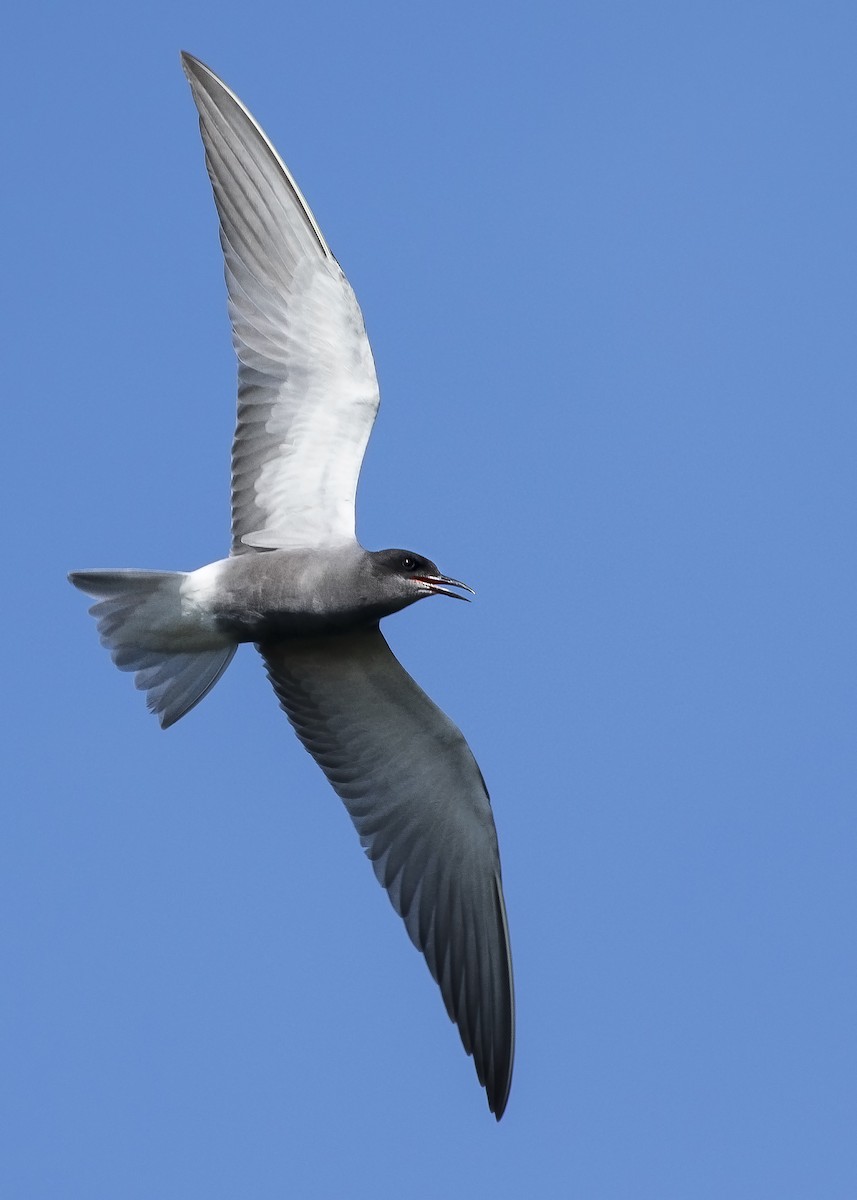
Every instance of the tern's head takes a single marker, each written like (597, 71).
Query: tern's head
(411, 577)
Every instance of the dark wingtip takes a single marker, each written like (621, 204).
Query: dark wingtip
(78, 579)
(498, 1097)
(194, 68)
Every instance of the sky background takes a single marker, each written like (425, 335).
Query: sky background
(606, 257)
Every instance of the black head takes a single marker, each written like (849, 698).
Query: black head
(417, 575)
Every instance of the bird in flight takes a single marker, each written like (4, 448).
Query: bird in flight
(299, 585)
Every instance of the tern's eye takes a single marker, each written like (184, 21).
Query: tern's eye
(408, 563)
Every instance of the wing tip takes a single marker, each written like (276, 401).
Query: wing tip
(498, 1097)
(202, 78)
(193, 67)
(501, 1085)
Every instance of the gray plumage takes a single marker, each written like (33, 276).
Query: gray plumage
(299, 585)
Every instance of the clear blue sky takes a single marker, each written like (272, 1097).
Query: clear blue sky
(606, 256)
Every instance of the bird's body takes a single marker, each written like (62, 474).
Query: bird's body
(291, 593)
(270, 596)
(299, 585)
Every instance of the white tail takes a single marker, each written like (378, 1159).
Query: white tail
(140, 620)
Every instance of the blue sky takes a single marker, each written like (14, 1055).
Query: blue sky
(606, 257)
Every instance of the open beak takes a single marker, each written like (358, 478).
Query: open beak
(439, 585)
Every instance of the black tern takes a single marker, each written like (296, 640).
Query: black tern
(299, 585)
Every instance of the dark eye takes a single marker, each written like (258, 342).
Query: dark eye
(408, 563)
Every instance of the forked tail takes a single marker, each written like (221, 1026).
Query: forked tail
(141, 622)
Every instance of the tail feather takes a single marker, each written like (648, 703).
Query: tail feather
(174, 685)
(140, 621)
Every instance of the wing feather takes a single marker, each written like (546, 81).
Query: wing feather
(419, 804)
(307, 389)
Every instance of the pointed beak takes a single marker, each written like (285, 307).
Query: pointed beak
(439, 585)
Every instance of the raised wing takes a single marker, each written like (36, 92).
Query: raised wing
(419, 804)
(307, 390)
